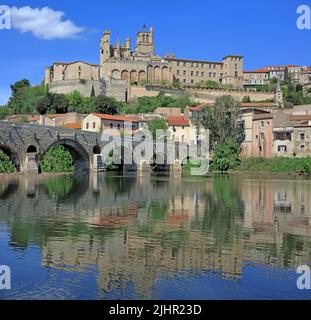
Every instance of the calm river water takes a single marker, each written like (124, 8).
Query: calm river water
(126, 237)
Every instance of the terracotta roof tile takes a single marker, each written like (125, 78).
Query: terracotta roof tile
(177, 121)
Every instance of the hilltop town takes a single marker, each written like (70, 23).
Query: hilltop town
(136, 90)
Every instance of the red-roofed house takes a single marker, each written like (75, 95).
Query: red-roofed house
(181, 129)
(100, 123)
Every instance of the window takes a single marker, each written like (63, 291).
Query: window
(214, 75)
(177, 72)
(191, 73)
(192, 64)
(202, 65)
(302, 147)
(185, 80)
(282, 148)
(192, 81)
(182, 138)
(87, 126)
(202, 74)
(111, 125)
(210, 74)
(262, 136)
(185, 64)
(197, 65)
(119, 126)
(197, 73)
(94, 125)
(184, 73)
(178, 63)
(262, 124)
(302, 136)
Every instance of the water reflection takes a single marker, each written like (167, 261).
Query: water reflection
(132, 235)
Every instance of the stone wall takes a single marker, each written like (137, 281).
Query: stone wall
(85, 88)
(199, 95)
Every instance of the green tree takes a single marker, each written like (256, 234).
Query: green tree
(24, 98)
(92, 92)
(157, 124)
(225, 156)
(43, 105)
(4, 112)
(59, 103)
(18, 85)
(57, 159)
(6, 165)
(107, 105)
(222, 121)
(246, 99)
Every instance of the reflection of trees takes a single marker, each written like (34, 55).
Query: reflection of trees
(223, 209)
(58, 187)
(7, 190)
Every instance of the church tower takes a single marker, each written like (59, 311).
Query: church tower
(145, 42)
(105, 47)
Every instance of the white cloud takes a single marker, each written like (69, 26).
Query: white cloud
(44, 23)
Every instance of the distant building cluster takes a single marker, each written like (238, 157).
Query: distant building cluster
(273, 132)
(297, 74)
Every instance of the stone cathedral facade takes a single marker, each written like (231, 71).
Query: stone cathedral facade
(120, 67)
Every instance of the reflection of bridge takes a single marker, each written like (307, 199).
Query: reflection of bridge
(26, 145)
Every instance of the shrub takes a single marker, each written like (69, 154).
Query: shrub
(6, 165)
(57, 159)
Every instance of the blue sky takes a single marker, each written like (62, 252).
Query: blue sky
(264, 32)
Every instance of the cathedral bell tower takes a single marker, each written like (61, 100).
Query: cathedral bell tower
(145, 42)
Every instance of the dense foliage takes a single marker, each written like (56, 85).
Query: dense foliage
(225, 156)
(149, 104)
(221, 120)
(57, 159)
(4, 112)
(157, 124)
(277, 165)
(6, 165)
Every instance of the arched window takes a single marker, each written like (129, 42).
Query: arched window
(96, 149)
(144, 38)
(147, 38)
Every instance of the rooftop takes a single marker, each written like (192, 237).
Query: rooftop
(116, 118)
(177, 121)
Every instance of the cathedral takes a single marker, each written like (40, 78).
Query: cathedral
(120, 67)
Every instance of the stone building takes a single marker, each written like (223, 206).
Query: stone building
(120, 67)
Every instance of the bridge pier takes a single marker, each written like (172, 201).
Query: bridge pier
(176, 168)
(143, 168)
(31, 165)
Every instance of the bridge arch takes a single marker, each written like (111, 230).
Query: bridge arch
(13, 155)
(31, 149)
(78, 153)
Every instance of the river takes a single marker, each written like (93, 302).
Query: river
(108, 236)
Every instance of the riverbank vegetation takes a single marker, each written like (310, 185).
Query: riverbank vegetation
(276, 165)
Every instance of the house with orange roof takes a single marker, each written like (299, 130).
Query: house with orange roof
(102, 123)
(183, 129)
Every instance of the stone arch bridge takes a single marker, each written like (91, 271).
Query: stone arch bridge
(27, 144)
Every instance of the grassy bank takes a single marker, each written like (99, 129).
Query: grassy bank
(276, 165)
